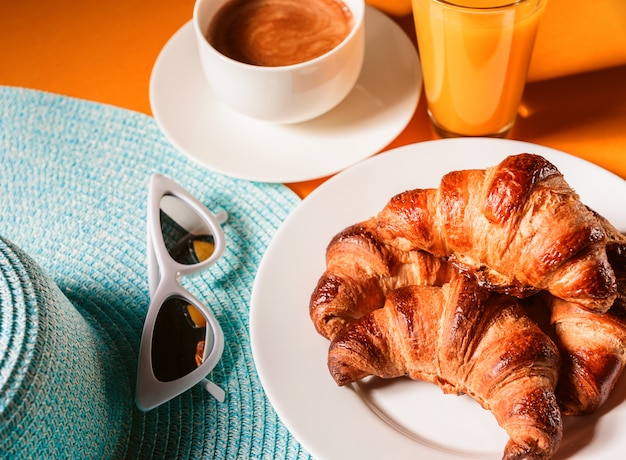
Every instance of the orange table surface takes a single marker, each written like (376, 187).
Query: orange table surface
(104, 52)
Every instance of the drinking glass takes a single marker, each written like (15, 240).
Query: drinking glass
(475, 56)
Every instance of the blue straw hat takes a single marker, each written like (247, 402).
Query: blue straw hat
(74, 291)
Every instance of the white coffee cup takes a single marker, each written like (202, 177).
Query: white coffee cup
(287, 93)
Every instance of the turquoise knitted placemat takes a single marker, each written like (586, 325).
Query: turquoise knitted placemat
(73, 188)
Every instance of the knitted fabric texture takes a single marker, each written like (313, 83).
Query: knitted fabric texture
(73, 185)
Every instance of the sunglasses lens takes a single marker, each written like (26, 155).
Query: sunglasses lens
(180, 340)
(187, 238)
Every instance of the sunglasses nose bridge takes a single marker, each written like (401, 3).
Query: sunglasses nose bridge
(171, 274)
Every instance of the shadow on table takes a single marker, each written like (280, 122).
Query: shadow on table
(574, 102)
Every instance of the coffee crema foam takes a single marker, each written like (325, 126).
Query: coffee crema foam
(279, 32)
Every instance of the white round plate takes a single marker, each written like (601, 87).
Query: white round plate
(369, 118)
(397, 419)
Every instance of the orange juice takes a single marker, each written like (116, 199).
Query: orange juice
(475, 56)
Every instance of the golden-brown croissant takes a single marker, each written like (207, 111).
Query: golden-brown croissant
(517, 226)
(592, 345)
(360, 270)
(465, 340)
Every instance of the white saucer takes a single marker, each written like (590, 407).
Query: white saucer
(372, 115)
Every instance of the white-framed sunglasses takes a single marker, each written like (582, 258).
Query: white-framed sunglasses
(181, 341)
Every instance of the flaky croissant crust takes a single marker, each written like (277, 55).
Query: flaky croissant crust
(592, 345)
(465, 340)
(517, 226)
(361, 270)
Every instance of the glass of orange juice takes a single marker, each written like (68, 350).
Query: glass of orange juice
(475, 56)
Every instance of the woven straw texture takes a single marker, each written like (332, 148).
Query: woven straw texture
(73, 188)
(51, 355)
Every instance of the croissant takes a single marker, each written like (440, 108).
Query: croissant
(592, 345)
(360, 270)
(466, 340)
(517, 226)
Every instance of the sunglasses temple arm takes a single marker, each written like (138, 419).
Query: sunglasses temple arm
(221, 216)
(214, 390)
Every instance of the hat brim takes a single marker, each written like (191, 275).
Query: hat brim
(74, 185)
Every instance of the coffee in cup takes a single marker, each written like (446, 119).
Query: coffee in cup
(279, 32)
(282, 61)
